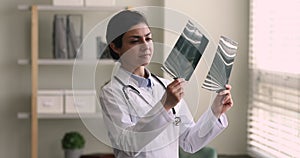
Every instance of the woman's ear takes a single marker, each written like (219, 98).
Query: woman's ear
(114, 48)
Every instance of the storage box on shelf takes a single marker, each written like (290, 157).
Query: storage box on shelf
(67, 2)
(66, 102)
(50, 102)
(82, 101)
(99, 2)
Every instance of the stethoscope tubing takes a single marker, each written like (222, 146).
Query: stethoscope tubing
(138, 92)
(177, 120)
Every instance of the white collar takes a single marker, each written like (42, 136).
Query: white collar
(126, 76)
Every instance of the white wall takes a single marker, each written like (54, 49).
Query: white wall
(229, 18)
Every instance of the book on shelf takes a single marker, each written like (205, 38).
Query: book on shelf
(67, 36)
(220, 70)
(185, 55)
(60, 37)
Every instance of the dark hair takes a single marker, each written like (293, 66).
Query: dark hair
(118, 25)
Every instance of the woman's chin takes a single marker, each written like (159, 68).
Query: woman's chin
(145, 63)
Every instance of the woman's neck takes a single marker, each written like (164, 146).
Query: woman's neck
(140, 71)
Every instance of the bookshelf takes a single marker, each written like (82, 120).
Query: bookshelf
(35, 62)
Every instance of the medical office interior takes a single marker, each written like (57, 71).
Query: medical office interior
(265, 118)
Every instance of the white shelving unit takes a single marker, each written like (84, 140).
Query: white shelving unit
(71, 8)
(65, 62)
(35, 62)
(26, 115)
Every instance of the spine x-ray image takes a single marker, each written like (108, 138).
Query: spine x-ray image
(220, 69)
(186, 53)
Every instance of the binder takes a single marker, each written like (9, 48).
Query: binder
(74, 35)
(59, 37)
(67, 36)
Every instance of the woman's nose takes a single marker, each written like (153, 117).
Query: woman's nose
(145, 44)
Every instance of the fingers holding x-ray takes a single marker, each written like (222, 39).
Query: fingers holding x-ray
(223, 102)
(174, 93)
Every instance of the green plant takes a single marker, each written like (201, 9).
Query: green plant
(73, 140)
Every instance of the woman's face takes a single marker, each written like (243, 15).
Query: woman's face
(137, 47)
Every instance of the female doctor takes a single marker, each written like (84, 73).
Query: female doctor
(145, 114)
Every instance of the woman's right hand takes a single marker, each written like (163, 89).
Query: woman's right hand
(174, 93)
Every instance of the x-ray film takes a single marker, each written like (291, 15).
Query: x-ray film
(186, 53)
(220, 69)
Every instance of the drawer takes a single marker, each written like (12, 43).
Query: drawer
(83, 102)
(50, 102)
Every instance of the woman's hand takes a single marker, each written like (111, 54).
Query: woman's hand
(223, 102)
(173, 94)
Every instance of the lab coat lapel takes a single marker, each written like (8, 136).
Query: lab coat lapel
(138, 106)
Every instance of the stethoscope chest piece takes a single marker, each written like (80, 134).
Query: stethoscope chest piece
(177, 121)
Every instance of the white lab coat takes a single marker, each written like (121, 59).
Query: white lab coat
(137, 129)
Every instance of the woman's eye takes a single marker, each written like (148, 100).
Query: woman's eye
(134, 41)
(148, 39)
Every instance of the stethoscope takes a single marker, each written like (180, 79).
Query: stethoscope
(177, 119)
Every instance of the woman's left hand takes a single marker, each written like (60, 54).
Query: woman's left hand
(223, 102)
